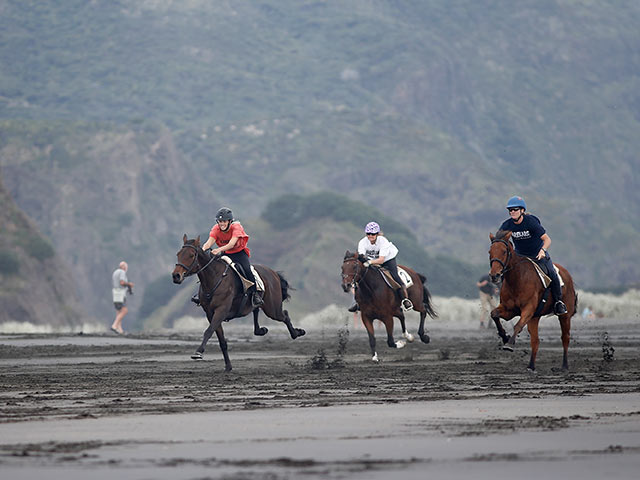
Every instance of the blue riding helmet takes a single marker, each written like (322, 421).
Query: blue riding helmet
(516, 202)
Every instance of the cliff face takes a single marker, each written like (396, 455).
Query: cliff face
(36, 285)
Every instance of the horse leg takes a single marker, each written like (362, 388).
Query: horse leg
(496, 313)
(565, 326)
(410, 338)
(423, 336)
(293, 331)
(532, 326)
(205, 338)
(257, 329)
(388, 324)
(223, 346)
(525, 316)
(368, 325)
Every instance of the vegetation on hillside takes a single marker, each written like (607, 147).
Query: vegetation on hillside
(122, 125)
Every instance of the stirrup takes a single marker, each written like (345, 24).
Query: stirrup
(256, 300)
(407, 305)
(195, 299)
(353, 308)
(559, 308)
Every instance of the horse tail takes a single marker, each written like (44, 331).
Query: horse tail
(426, 297)
(284, 286)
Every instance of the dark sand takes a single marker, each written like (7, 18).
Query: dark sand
(112, 407)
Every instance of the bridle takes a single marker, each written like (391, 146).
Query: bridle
(359, 268)
(505, 263)
(193, 264)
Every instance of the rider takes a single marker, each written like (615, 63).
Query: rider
(380, 251)
(531, 240)
(232, 241)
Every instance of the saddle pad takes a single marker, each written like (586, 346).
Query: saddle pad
(246, 283)
(544, 278)
(405, 277)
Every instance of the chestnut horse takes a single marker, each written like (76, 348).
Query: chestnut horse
(522, 293)
(222, 298)
(379, 301)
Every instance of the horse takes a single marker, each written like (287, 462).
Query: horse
(522, 293)
(379, 301)
(222, 298)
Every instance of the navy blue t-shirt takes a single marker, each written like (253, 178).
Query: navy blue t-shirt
(526, 235)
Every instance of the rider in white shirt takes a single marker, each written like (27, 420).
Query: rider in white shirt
(381, 252)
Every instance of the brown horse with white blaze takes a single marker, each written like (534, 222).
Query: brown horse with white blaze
(222, 296)
(377, 300)
(522, 294)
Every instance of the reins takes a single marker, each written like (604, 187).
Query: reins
(211, 260)
(505, 264)
(355, 283)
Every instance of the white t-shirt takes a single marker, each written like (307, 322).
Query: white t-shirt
(382, 248)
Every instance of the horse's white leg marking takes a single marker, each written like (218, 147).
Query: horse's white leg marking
(410, 338)
(400, 344)
(375, 357)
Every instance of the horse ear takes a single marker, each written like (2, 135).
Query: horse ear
(507, 235)
(184, 238)
(197, 242)
(491, 236)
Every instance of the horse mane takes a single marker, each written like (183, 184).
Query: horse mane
(502, 234)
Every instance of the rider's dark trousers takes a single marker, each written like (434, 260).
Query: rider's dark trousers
(392, 266)
(556, 289)
(242, 258)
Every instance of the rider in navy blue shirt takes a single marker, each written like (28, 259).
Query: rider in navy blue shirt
(531, 240)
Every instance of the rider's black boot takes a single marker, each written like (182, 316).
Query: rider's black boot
(256, 299)
(195, 299)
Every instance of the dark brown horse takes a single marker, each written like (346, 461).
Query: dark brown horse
(521, 294)
(221, 294)
(379, 301)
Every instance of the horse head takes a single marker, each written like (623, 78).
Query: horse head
(352, 270)
(500, 254)
(187, 259)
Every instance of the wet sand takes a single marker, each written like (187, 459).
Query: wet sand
(317, 407)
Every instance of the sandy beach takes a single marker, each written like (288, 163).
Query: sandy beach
(137, 407)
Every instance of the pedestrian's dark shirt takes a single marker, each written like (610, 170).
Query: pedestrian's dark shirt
(526, 235)
(488, 287)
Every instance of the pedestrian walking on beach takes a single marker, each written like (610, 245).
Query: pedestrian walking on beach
(121, 287)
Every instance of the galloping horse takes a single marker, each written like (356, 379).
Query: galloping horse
(378, 301)
(221, 294)
(522, 293)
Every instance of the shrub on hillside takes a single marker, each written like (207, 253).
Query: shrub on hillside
(9, 264)
(38, 247)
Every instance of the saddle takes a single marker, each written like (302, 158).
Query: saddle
(544, 277)
(246, 284)
(404, 276)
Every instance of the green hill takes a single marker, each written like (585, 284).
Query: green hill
(124, 125)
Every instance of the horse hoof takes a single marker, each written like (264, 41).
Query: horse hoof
(507, 347)
(410, 338)
(301, 332)
(425, 338)
(375, 357)
(197, 356)
(532, 371)
(261, 331)
(400, 344)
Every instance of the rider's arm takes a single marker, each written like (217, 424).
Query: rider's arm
(228, 246)
(208, 243)
(546, 242)
(377, 261)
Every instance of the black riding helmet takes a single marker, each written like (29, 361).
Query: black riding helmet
(224, 214)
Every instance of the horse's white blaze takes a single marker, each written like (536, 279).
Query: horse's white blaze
(410, 338)
(400, 343)
(375, 357)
